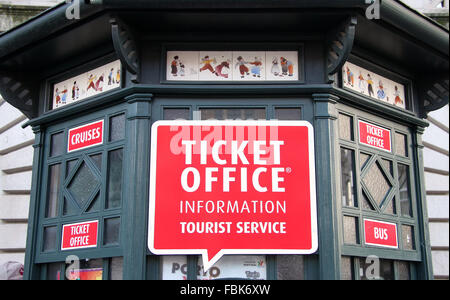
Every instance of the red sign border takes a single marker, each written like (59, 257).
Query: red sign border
(365, 144)
(79, 247)
(381, 245)
(85, 125)
(204, 252)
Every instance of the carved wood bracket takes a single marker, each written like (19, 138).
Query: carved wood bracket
(340, 44)
(20, 93)
(126, 47)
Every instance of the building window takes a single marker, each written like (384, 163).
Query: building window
(83, 185)
(376, 184)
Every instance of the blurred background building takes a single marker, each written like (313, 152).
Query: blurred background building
(16, 152)
(436, 158)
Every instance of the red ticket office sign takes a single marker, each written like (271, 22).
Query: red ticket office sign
(232, 187)
(381, 234)
(374, 136)
(79, 235)
(85, 136)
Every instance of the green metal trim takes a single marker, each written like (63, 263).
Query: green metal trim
(117, 96)
(31, 271)
(426, 268)
(329, 249)
(422, 253)
(271, 272)
(136, 190)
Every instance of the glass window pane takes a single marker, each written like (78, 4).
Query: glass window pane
(363, 159)
(390, 207)
(57, 144)
(112, 229)
(53, 271)
(95, 204)
(387, 269)
(408, 237)
(69, 207)
(115, 160)
(376, 182)
(387, 164)
(50, 238)
(400, 144)
(83, 184)
(89, 269)
(53, 191)
(348, 177)
(233, 114)
(176, 114)
(290, 267)
(346, 127)
(351, 230)
(286, 113)
(365, 202)
(405, 195)
(117, 128)
(116, 268)
(347, 272)
(403, 270)
(70, 166)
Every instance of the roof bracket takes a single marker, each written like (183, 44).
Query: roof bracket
(126, 47)
(20, 94)
(434, 94)
(339, 46)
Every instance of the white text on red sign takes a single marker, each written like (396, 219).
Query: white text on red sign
(374, 136)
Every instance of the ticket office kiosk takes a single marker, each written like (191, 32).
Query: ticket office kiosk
(93, 106)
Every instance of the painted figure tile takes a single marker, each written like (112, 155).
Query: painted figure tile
(373, 85)
(215, 66)
(182, 65)
(249, 65)
(87, 84)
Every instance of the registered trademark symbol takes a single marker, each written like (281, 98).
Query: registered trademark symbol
(288, 170)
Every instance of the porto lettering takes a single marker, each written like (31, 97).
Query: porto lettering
(235, 187)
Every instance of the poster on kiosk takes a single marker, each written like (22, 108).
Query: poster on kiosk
(232, 187)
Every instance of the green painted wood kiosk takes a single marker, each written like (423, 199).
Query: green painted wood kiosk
(345, 67)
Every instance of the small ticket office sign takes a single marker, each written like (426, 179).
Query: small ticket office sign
(374, 136)
(232, 187)
(85, 136)
(79, 235)
(382, 234)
